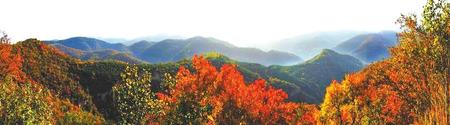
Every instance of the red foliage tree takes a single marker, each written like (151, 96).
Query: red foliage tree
(10, 63)
(208, 95)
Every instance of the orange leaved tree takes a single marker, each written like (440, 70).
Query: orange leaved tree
(411, 87)
(10, 63)
(207, 95)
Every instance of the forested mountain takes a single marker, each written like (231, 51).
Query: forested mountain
(369, 47)
(37, 83)
(50, 67)
(89, 44)
(322, 69)
(172, 50)
(105, 55)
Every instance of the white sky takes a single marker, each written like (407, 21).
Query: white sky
(241, 22)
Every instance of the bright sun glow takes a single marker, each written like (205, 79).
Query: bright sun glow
(241, 22)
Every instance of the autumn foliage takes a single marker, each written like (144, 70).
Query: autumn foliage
(211, 96)
(24, 100)
(10, 63)
(411, 87)
(38, 85)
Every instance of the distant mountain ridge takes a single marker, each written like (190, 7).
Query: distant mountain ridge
(89, 44)
(369, 47)
(152, 38)
(310, 44)
(171, 50)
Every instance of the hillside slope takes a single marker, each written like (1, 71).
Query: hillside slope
(53, 69)
(322, 69)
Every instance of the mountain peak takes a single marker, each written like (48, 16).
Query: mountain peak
(328, 65)
(89, 44)
(142, 43)
(326, 53)
(81, 38)
(202, 38)
(199, 38)
(209, 40)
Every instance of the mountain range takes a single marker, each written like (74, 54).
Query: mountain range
(308, 45)
(368, 47)
(158, 37)
(171, 50)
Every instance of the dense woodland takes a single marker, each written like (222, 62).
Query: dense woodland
(40, 84)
